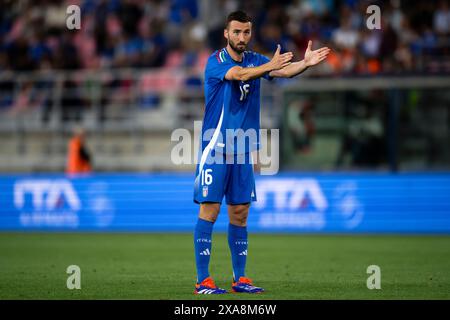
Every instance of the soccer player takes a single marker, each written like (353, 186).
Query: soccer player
(232, 96)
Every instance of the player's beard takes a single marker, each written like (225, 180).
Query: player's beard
(242, 46)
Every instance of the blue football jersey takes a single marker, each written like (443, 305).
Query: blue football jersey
(232, 108)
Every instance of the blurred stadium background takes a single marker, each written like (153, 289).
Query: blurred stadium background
(364, 137)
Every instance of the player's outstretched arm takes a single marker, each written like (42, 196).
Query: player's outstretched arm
(312, 58)
(278, 61)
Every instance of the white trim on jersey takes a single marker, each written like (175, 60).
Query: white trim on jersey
(210, 145)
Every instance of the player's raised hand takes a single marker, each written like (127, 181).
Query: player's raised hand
(281, 60)
(313, 57)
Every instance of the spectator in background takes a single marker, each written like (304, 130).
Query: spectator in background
(345, 37)
(78, 157)
(145, 34)
(441, 19)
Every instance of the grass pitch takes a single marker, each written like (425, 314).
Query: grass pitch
(161, 266)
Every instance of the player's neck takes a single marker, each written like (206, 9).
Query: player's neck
(233, 54)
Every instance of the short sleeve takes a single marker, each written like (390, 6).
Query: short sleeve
(262, 59)
(217, 67)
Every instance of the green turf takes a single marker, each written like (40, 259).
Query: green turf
(161, 266)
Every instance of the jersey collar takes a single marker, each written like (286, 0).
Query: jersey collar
(226, 52)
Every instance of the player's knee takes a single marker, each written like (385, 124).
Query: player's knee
(209, 211)
(239, 214)
(239, 220)
(212, 217)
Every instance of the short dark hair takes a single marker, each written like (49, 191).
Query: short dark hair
(239, 15)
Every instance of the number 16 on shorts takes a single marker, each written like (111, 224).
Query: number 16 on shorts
(206, 180)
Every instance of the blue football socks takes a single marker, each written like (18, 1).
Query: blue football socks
(237, 241)
(202, 245)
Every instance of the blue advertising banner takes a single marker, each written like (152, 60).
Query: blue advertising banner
(287, 202)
